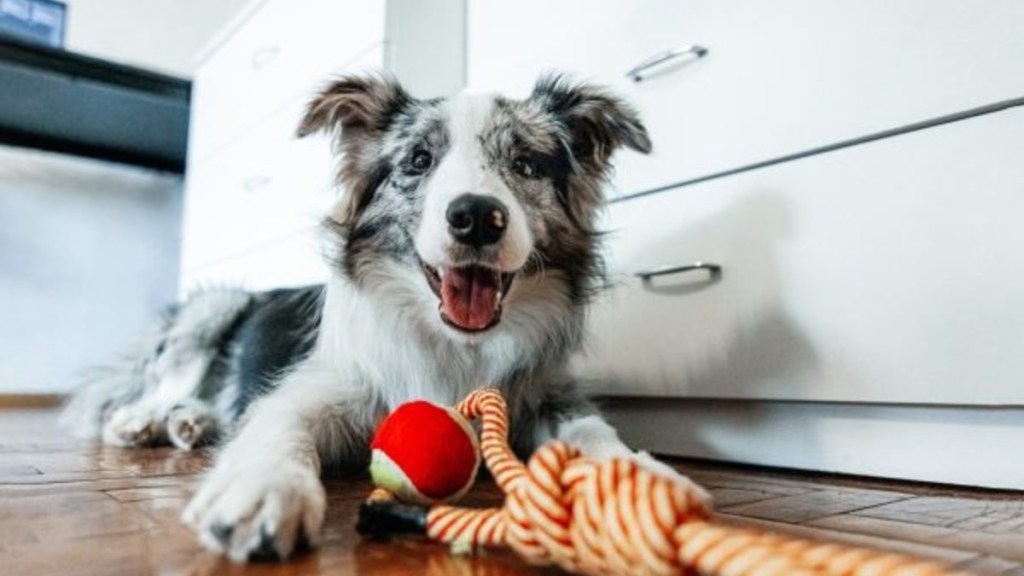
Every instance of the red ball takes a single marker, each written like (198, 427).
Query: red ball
(425, 453)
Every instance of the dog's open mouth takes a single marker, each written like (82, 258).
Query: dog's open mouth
(471, 296)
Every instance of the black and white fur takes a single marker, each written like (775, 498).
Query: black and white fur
(299, 378)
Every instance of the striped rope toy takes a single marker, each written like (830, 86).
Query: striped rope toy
(614, 517)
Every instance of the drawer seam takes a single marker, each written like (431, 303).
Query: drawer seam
(892, 132)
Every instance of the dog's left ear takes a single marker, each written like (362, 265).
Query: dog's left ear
(598, 122)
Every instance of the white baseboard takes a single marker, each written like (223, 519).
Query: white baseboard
(969, 446)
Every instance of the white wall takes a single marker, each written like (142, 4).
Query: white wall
(162, 35)
(88, 256)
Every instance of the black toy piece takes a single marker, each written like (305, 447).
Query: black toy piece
(380, 519)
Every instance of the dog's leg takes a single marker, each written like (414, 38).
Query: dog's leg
(264, 492)
(173, 371)
(597, 439)
(144, 422)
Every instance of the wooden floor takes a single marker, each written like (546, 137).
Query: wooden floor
(73, 508)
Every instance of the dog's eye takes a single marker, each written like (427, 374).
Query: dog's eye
(525, 167)
(421, 162)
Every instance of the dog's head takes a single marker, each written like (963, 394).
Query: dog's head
(490, 201)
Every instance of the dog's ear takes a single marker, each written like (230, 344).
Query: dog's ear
(361, 108)
(598, 122)
(354, 103)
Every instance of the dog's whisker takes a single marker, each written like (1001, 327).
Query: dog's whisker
(538, 258)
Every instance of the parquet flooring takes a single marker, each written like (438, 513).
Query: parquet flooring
(72, 508)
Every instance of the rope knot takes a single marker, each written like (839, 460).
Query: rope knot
(565, 509)
(615, 517)
(610, 517)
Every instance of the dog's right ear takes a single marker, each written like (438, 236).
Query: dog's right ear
(361, 108)
(351, 103)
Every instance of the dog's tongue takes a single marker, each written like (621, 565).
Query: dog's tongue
(469, 296)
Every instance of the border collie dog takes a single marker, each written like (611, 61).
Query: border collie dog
(463, 253)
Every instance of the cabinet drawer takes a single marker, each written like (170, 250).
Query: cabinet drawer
(260, 188)
(284, 50)
(780, 77)
(257, 192)
(887, 272)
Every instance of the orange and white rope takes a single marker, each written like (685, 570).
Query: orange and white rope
(614, 517)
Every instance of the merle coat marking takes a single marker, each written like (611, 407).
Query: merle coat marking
(298, 378)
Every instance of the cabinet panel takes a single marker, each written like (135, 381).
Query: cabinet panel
(286, 49)
(262, 189)
(889, 272)
(780, 77)
(257, 193)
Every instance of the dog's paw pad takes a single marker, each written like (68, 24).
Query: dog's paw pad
(185, 433)
(191, 426)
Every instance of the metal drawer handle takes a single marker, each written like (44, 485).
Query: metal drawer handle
(264, 56)
(714, 269)
(689, 50)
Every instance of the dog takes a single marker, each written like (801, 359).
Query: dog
(463, 252)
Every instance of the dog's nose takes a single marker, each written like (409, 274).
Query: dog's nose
(477, 220)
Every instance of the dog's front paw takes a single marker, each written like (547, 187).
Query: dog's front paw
(652, 464)
(258, 512)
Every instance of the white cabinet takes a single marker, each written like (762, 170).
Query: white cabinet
(869, 316)
(780, 76)
(880, 272)
(284, 50)
(255, 194)
(890, 272)
(260, 190)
